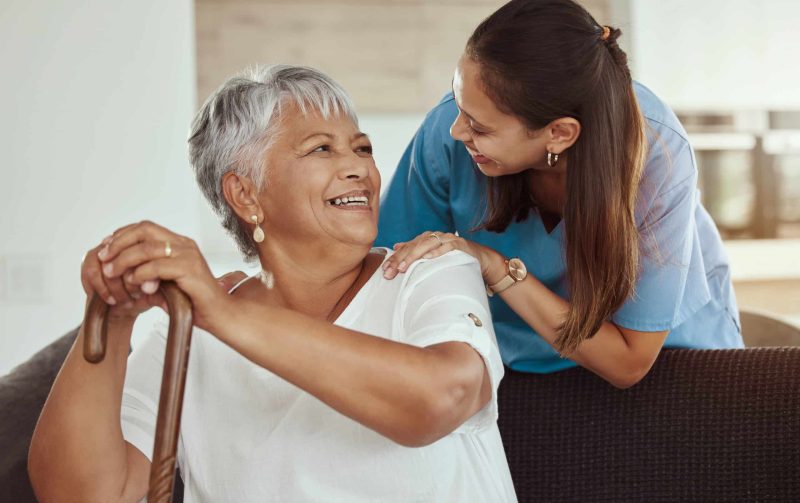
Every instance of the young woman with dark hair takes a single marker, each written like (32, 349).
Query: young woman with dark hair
(583, 210)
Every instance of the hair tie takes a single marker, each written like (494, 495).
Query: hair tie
(606, 33)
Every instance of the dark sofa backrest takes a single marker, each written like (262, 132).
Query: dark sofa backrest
(22, 396)
(721, 425)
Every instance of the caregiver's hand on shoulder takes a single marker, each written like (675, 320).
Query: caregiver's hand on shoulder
(139, 256)
(432, 244)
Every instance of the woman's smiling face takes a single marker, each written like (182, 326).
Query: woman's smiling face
(322, 185)
(499, 143)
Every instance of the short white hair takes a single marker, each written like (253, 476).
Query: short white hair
(238, 123)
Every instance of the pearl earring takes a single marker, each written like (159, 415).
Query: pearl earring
(258, 233)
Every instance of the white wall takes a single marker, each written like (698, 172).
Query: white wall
(96, 100)
(390, 134)
(731, 54)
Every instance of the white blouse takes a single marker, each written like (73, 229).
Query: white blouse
(248, 435)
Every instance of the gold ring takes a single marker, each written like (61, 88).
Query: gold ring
(434, 235)
(167, 249)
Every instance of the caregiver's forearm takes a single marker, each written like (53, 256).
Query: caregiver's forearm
(611, 353)
(77, 452)
(411, 395)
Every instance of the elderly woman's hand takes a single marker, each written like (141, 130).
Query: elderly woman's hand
(431, 244)
(137, 257)
(125, 302)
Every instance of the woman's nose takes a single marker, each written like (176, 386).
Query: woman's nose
(458, 129)
(354, 168)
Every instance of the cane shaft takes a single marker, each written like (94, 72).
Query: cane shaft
(173, 381)
(170, 405)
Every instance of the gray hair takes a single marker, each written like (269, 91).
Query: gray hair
(238, 124)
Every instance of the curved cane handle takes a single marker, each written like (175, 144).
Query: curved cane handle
(170, 405)
(94, 330)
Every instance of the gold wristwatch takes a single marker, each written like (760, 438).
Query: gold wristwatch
(516, 272)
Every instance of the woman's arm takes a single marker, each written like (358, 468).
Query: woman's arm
(413, 395)
(409, 394)
(619, 355)
(77, 452)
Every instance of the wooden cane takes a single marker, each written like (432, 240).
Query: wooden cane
(173, 381)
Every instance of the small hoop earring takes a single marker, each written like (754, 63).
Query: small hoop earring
(552, 159)
(258, 233)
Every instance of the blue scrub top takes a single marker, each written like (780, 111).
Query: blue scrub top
(684, 284)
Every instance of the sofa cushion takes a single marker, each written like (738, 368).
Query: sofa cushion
(22, 395)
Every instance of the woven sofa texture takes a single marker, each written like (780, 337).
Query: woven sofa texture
(702, 426)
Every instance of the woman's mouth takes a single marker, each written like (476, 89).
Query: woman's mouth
(352, 202)
(478, 158)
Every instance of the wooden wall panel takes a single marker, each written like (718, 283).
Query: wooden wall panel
(392, 56)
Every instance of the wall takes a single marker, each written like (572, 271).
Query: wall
(96, 99)
(393, 56)
(718, 53)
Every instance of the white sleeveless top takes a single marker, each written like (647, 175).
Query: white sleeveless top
(248, 435)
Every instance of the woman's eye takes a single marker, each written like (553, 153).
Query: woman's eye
(322, 148)
(365, 149)
(475, 131)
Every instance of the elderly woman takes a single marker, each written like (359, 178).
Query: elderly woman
(315, 380)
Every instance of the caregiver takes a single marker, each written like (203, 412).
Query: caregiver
(583, 210)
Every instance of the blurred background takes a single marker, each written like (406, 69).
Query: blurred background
(97, 96)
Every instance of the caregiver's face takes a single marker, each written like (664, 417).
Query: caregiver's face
(322, 184)
(499, 143)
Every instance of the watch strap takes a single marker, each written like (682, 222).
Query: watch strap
(501, 285)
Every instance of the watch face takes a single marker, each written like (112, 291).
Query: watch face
(516, 269)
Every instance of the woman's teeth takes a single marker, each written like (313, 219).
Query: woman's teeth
(350, 201)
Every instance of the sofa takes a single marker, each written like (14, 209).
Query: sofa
(703, 425)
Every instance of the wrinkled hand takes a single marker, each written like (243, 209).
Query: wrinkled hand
(432, 244)
(126, 271)
(125, 302)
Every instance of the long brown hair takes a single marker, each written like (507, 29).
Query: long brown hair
(541, 60)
